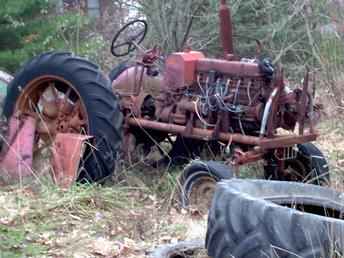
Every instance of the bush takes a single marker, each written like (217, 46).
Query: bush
(30, 27)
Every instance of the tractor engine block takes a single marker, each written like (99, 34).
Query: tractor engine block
(227, 95)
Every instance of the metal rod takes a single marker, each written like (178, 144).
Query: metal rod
(196, 133)
(205, 134)
(267, 112)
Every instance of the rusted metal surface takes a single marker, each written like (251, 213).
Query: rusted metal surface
(56, 115)
(197, 133)
(275, 104)
(302, 107)
(230, 100)
(204, 134)
(241, 158)
(61, 111)
(17, 154)
(226, 28)
(16, 160)
(67, 151)
(134, 80)
(229, 68)
(285, 141)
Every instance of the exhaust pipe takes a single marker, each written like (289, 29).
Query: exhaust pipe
(226, 30)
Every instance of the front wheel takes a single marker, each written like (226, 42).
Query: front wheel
(197, 183)
(68, 94)
(309, 166)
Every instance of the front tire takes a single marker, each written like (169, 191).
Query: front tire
(196, 184)
(309, 166)
(82, 80)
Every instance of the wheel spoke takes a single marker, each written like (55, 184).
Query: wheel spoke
(65, 100)
(138, 35)
(121, 44)
(54, 90)
(49, 107)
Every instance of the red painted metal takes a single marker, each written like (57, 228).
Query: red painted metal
(67, 152)
(181, 69)
(229, 68)
(16, 159)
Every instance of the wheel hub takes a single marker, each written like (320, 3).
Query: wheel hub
(201, 193)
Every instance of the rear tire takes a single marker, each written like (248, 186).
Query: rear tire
(115, 72)
(94, 89)
(245, 220)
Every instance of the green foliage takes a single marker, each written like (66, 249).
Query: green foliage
(29, 27)
(332, 51)
(288, 30)
(177, 21)
(14, 243)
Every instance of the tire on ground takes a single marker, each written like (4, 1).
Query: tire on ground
(247, 219)
(102, 106)
(180, 249)
(198, 170)
(316, 170)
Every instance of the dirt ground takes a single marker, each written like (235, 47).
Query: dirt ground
(90, 221)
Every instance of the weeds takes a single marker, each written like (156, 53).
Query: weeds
(43, 220)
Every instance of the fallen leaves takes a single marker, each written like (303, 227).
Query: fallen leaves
(91, 224)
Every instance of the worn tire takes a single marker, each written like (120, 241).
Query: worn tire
(102, 106)
(310, 164)
(196, 171)
(245, 220)
(115, 72)
(181, 249)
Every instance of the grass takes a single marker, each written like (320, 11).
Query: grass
(35, 223)
(88, 220)
(129, 218)
(14, 242)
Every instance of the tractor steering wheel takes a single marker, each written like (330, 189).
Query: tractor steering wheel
(128, 37)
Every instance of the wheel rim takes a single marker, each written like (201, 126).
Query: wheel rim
(201, 193)
(57, 107)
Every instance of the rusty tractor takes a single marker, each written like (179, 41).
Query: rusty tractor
(239, 106)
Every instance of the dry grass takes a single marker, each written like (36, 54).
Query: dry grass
(331, 142)
(89, 221)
